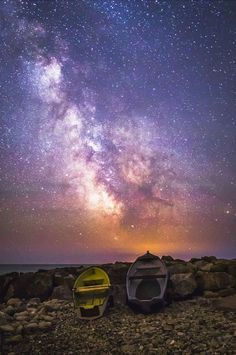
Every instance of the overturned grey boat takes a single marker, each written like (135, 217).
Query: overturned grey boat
(146, 282)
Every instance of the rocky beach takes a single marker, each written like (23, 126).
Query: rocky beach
(37, 316)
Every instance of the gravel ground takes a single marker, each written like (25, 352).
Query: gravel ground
(189, 327)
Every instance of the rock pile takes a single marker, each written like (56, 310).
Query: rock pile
(49, 327)
(18, 318)
(36, 313)
(207, 276)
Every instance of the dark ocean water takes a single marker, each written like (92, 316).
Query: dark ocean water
(7, 268)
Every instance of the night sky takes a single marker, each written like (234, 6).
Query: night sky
(118, 129)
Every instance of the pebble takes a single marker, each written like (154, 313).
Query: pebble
(10, 310)
(14, 339)
(6, 328)
(44, 325)
(183, 328)
(19, 329)
(47, 318)
(21, 318)
(180, 334)
(22, 314)
(31, 327)
(15, 302)
(33, 302)
(4, 318)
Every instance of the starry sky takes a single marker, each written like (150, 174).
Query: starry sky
(118, 129)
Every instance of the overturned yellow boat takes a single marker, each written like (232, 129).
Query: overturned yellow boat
(92, 293)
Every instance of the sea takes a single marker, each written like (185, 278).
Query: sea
(7, 268)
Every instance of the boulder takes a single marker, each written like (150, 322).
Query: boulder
(220, 266)
(180, 268)
(226, 303)
(227, 292)
(184, 285)
(29, 285)
(179, 261)
(167, 258)
(194, 260)
(69, 280)
(62, 293)
(60, 279)
(119, 294)
(205, 267)
(231, 269)
(200, 263)
(213, 281)
(117, 272)
(209, 259)
(210, 294)
(4, 283)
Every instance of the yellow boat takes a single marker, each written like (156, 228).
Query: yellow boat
(92, 293)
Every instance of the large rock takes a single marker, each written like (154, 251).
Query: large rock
(180, 268)
(194, 260)
(231, 269)
(62, 293)
(220, 266)
(29, 285)
(61, 279)
(184, 285)
(5, 280)
(213, 281)
(119, 294)
(117, 272)
(226, 303)
(227, 292)
(209, 259)
(210, 294)
(167, 258)
(199, 264)
(206, 267)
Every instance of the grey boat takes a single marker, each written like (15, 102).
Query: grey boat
(146, 282)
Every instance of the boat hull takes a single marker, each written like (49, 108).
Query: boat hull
(91, 293)
(146, 283)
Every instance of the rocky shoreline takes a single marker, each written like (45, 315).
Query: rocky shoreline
(37, 317)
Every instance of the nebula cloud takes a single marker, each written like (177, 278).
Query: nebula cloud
(117, 134)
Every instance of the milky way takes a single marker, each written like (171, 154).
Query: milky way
(117, 129)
